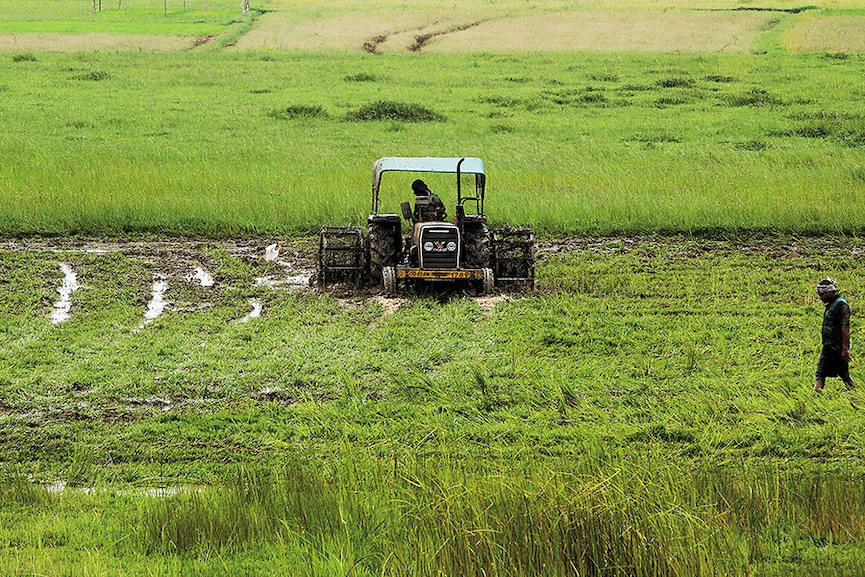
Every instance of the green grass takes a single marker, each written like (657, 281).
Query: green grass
(647, 412)
(129, 11)
(580, 143)
(162, 28)
(649, 408)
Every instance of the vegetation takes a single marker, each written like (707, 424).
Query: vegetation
(647, 412)
(224, 145)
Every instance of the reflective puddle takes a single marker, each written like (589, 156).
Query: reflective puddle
(202, 276)
(254, 313)
(157, 301)
(59, 487)
(296, 281)
(69, 286)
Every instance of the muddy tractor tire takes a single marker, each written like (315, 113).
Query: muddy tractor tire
(488, 284)
(477, 251)
(384, 244)
(388, 281)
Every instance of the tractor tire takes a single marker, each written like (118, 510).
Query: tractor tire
(476, 246)
(388, 281)
(384, 248)
(488, 285)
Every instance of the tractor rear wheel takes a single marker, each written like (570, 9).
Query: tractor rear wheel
(385, 244)
(476, 245)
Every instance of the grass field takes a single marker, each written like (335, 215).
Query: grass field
(227, 144)
(172, 404)
(648, 409)
(619, 119)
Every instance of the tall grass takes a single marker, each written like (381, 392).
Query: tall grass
(363, 517)
(190, 144)
(429, 518)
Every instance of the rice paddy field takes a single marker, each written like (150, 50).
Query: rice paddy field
(172, 403)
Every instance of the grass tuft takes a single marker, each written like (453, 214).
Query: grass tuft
(297, 111)
(754, 97)
(361, 77)
(720, 78)
(754, 145)
(676, 82)
(93, 76)
(24, 57)
(398, 111)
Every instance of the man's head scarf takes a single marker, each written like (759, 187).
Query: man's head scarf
(826, 286)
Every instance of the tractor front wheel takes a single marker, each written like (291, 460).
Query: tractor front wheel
(388, 280)
(476, 245)
(488, 284)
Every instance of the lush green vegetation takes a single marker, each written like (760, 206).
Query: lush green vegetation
(201, 143)
(648, 412)
(179, 29)
(130, 12)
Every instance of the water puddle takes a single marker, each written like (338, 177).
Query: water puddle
(295, 281)
(69, 286)
(254, 313)
(203, 277)
(59, 487)
(157, 301)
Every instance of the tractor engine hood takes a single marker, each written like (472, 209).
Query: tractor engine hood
(438, 245)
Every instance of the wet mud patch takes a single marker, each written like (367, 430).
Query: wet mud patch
(422, 39)
(184, 276)
(70, 284)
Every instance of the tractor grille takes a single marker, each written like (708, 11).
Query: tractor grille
(439, 247)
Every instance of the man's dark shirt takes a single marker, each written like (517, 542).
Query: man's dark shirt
(837, 314)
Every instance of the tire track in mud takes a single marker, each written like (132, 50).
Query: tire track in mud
(422, 39)
(372, 45)
(174, 266)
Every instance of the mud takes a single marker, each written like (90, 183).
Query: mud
(182, 258)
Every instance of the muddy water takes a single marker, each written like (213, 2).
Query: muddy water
(202, 276)
(64, 305)
(157, 300)
(254, 313)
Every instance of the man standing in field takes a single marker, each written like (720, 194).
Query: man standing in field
(835, 358)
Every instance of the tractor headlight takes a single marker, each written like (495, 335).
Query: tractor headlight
(452, 246)
(428, 246)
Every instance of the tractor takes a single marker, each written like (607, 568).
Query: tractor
(434, 251)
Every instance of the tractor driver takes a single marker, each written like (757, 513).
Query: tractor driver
(427, 205)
